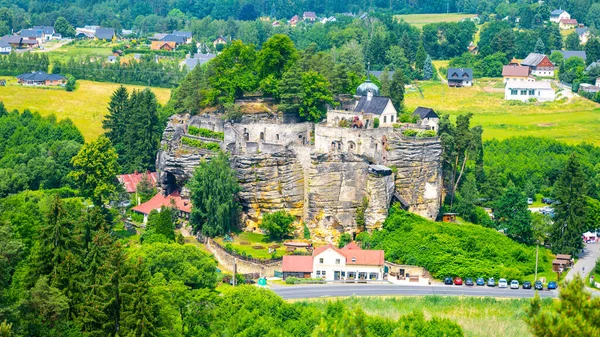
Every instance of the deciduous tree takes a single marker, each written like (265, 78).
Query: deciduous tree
(278, 224)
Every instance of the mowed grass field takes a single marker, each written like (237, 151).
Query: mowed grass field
(571, 122)
(420, 20)
(85, 106)
(480, 317)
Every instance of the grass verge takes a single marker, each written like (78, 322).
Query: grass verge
(420, 20)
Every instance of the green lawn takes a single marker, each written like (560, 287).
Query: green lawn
(477, 316)
(420, 20)
(77, 49)
(252, 240)
(573, 122)
(85, 106)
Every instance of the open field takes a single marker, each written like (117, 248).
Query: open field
(85, 106)
(420, 20)
(574, 122)
(76, 50)
(477, 316)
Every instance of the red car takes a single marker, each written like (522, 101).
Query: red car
(458, 281)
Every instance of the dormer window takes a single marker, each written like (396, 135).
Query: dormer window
(354, 259)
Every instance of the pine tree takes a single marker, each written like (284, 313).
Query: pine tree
(114, 270)
(340, 82)
(114, 123)
(407, 45)
(539, 48)
(385, 82)
(397, 90)
(428, 69)
(290, 91)
(140, 312)
(570, 192)
(420, 58)
(142, 134)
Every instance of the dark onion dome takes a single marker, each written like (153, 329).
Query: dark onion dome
(364, 88)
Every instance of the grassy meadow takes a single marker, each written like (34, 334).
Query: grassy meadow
(420, 20)
(85, 106)
(76, 49)
(477, 316)
(571, 122)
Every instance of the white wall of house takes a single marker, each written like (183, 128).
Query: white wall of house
(563, 15)
(331, 265)
(522, 94)
(388, 116)
(5, 50)
(430, 123)
(598, 82)
(543, 72)
(518, 79)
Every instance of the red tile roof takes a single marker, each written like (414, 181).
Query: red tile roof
(511, 70)
(352, 245)
(130, 181)
(160, 200)
(356, 256)
(297, 263)
(568, 21)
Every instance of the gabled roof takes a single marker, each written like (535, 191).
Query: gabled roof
(460, 74)
(374, 105)
(592, 65)
(105, 33)
(12, 39)
(355, 256)
(40, 76)
(4, 44)
(533, 59)
(425, 113)
(568, 21)
(48, 30)
(130, 181)
(160, 200)
(187, 35)
(567, 54)
(155, 45)
(556, 12)
(297, 264)
(352, 245)
(521, 71)
(32, 33)
(173, 38)
(311, 15)
(295, 18)
(581, 30)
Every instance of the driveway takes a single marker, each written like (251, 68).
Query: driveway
(587, 261)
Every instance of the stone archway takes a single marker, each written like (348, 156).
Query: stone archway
(351, 146)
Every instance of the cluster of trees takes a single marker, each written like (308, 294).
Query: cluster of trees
(146, 71)
(132, 125)
(35, 151)
(17, 64)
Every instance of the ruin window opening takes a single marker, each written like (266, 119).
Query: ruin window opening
(262, 136)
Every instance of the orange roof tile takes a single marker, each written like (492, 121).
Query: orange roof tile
(160, 200)
(297, 263)
(130, 181)
(356, 256)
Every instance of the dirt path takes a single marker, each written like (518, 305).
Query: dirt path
(440, 76)
(55, 47)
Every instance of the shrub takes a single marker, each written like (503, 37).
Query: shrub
(376, 122)
(200, 144)
(206, 133)
(410, 133)
(427, 134)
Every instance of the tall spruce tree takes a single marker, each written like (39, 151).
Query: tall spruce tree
(142, 133)
(420, 58)
(570, 193)
(540, 47)
(428, 69)
(140, 312)
(385, 82)
(290, 91)
(114, 123)
(397, 90)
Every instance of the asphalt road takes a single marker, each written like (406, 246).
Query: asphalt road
(343, 290)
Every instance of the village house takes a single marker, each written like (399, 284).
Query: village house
(183, 206)
(524, 91)
(294, 20)
(36, 35)
(5, 47)
(589, 88)
(567, 54)
(219, 40)
(568, 24)
(329, 263)
(516, 73)
(584, 34)
(49, 33)
(309, 16)
(13, 40)
(131, 181)
(162, 45)
(197, 59)
(187, 36)
(539, 65)
(176, 39)
(41, 78)
(427, 118)
(105, 34)
(276, 24)
(460, 77)
(558, 14)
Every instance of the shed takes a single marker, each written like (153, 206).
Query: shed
(449, 217)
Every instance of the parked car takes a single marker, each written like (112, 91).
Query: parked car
(448, 280)
(469, 282)
(529, 201)
(538, 285)
(514, 284)
(491, 282)
(526, 285)
(552, 285)
(480, 281)
(458, 281)
(502, 283)
(547, 201)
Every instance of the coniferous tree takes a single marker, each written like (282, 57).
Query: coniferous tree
(570, 193)
(407, 45)
(340, 82)
(114, 123)
(539, 48)
(512, 214)
(114, 269)
(428, 69)
(385, 82)
(397, 90)
(290, 91)
(140, 312)
(420, 58)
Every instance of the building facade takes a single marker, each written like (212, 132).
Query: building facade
(539, 65)
(524, 91)
(559, 14)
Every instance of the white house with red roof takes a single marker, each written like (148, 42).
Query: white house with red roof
(184, 206)
(336, 264)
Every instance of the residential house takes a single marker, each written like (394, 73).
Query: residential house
(5, 47)
(41, 78)
(197, 59)
(473, 49)
(309, 16)
(219, 40)
(137, 57)
(112, 59)
(589, 88)
(539, 65)
(294, 20)
(427, 118)
(330, 263)
(568, 24)
(514, 62)
(378, 106)
(126, 32)
(516, 73)
(558, 14)
(186, 35)
(567, 54)
(584, 34)
(163, 45)
(524, 91)
(177, 39)
(131, 181)
(48, 32)
(276, 24)
(158, 36)
(106, 34)
(183, 206)
(460, 77)
(33, 34)
(13, 40)
(592, 66)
